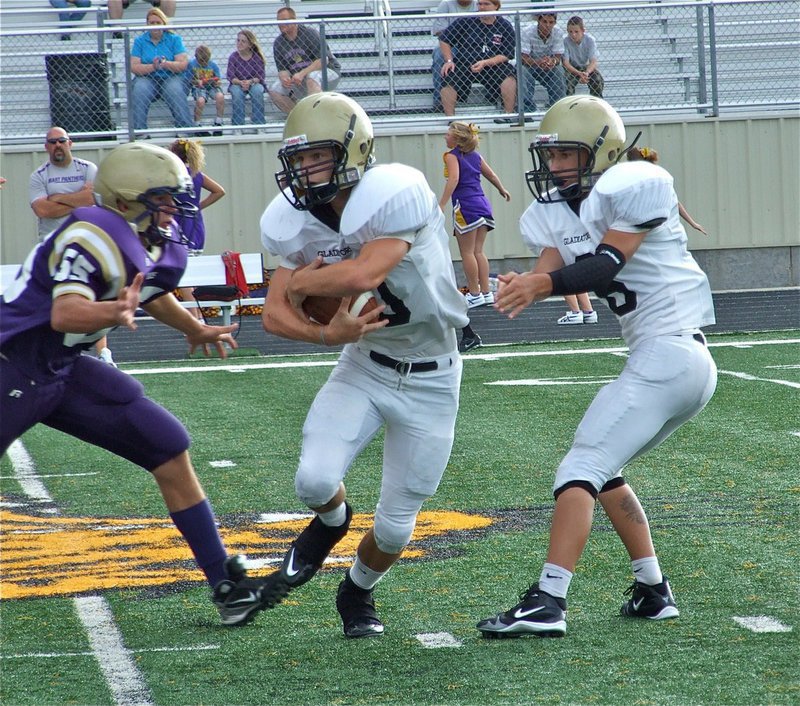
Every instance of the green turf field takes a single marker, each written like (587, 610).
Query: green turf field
(101, 602)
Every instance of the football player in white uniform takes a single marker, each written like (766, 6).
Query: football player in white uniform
(377, 229)
(613, 229)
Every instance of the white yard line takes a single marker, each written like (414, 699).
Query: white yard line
(59, 655)
(747, 376)
(240, 367)
(124, 680)
(53, 475)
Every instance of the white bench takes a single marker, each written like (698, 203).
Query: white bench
(209, 269)
(201, 270)
(7, 274)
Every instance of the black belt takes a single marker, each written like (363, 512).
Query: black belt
(403, 367)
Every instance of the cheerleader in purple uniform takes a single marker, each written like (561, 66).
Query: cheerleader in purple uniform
(191, 153)
(472, 212)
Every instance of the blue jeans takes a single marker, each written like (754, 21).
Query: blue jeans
(67, 17)
(173, 91)
(238, 96)
(553, 80)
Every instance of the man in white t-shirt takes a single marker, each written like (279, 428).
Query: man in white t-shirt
(61, 184)
(57, 188)
(440, 24)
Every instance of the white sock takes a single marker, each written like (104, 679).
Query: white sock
(364, 577)
(335, 517)
(647, 570)
(555, 580)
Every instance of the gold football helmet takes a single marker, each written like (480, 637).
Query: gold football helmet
(133, 174)
(583, 123)
(325, 120)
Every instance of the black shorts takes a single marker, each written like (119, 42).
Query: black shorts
(461, 79)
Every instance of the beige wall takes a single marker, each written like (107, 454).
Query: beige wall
(738, 177)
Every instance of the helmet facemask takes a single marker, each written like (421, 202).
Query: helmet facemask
(323, 121)
(586, 126)
(150, 209)
(303, 193)
(130, 180)
(549, 186)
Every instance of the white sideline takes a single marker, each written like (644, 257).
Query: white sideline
(124, 680)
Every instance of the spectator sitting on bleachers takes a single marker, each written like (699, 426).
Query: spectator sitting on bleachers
(440, 24)
(205, 79)
(158, 62)
(247, 77)
(580, 59)
(485, 44)
(67, 19)
(117, 7)
(297, 53)
(542, 53)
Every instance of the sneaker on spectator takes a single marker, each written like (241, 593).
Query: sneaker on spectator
(571, 317)
(474, 300)
(488, 297)
(590, 318)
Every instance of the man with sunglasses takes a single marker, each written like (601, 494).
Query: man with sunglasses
(61, 184)
(57, 188)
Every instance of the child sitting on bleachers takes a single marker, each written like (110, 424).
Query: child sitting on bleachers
(204, 77)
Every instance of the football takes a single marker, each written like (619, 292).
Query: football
(322, 309)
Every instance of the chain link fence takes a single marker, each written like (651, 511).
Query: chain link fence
(656, 57)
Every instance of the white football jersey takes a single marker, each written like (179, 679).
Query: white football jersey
(661, 289)
(422, 300)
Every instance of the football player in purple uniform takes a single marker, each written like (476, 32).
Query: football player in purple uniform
(86, 278)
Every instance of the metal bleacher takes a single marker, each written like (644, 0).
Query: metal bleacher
(654, 56)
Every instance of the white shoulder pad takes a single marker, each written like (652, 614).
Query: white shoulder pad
(390, 198)
(282, 227)
(635, 193)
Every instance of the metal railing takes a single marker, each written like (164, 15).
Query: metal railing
(699, 58)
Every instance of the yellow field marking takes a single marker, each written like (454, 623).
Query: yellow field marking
(61, 556)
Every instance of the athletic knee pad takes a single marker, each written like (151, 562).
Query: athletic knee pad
(392, 537)
(314, 489)
(613, 484)
(584, 484)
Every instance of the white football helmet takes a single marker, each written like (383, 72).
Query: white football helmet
(137, 171)
(324, 120)
(575, 123)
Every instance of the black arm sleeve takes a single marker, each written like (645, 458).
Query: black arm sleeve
(589, 274)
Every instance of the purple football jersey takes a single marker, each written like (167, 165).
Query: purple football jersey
(95, 253)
